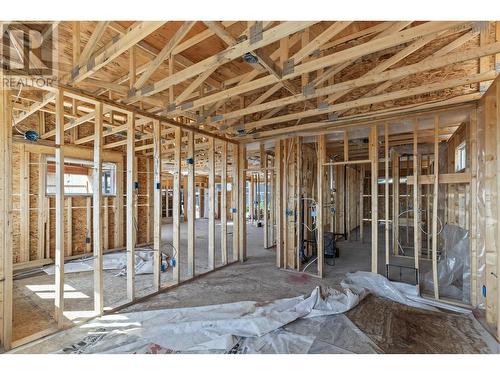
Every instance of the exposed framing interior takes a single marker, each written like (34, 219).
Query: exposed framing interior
(347, 128)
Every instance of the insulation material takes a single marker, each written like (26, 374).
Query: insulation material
(453, 266)
(113, 261)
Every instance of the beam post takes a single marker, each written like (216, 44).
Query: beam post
(97, 227)
(131, 192)
(59, 217)
(191, 204)
(156, 203)
(386, 190)
(242, 248)
(223, 205)
(320, 200)
(374, 195)
(211, 203)
(235, 193)
(176, 209)
(6, 259)
(435, 207)
(278, 151)
(416, 200)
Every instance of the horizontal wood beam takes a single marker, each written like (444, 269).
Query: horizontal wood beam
(134, 34)
(276, 33)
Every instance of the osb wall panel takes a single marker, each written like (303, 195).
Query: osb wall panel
(141, 200)
(488, 191)
(79, 230)
(144, 175)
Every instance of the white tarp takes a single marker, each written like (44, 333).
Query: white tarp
(216, 328)
(380, 286)
(313, 324)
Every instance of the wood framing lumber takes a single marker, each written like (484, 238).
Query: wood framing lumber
(176, 209)
(321, 39)
(134, 34)
(157, 203)
(417, 243)
(164, 53)
(345, 86)
(357, 51)
(386, 191)
(320, 202)
(444, 178)
(242, 222)
(361, 119)
(36, 106)
(24, 202)
(223, 204)
(97, 219)
(72, 124)
(59, 216)
(374, 197)
(211, 203)
(435, 200)
(270, 36)
(91, 45)
(191, 209)
(374, 99)
(131, 202)
(235, 194)
(6, 252)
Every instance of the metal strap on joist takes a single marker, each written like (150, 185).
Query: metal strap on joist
(223, 127)
(171, 107)
(74, 72)
(256, 32)
(186, 105)
(308, 89)
(131, 92)
(315, 53)
(216, 118)
(200, 119)
(333, 116)
(147, 88)
(497, 67)
(288, 67)
(115, 38)
(91, 63)
(322, 106)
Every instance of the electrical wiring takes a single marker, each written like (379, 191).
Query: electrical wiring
(420, 226)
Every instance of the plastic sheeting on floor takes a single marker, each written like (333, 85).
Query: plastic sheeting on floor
(318, 323)
(239, 327)
(111, 261)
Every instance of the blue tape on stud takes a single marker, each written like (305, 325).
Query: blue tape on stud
(172, 262)
(158, 186)
(136, 184)
(233, 210)
(484, 290)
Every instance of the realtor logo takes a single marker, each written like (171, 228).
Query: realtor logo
(28, 53)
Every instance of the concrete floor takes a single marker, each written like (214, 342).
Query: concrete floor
(33, 297)
(258, 279)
